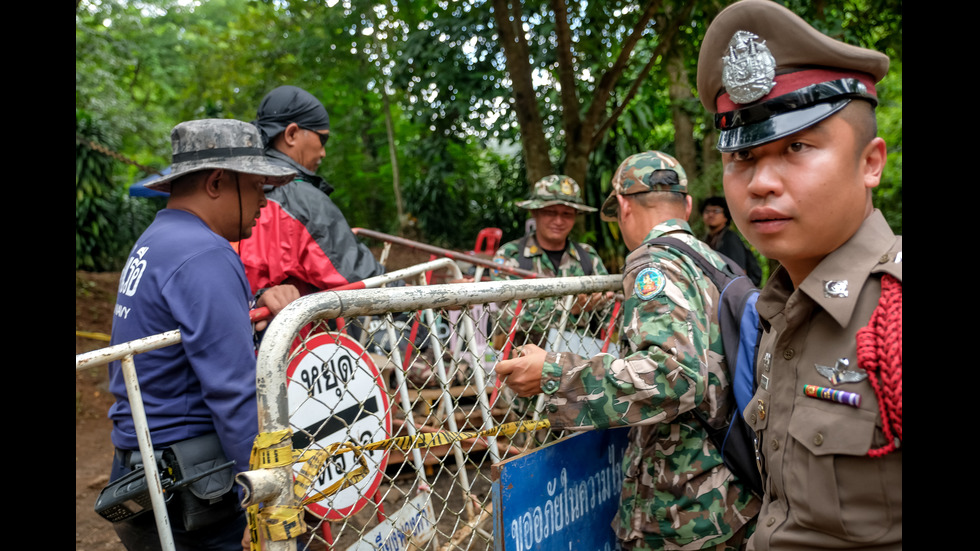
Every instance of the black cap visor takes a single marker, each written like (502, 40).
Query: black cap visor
(779, 126)
(787, 114)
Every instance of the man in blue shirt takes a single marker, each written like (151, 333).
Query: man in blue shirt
(184, 274)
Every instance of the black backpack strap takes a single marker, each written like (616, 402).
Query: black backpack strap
(717, 276)
(523, 262)
(584, 259)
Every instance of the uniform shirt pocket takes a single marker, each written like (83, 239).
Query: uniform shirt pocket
(832, 486)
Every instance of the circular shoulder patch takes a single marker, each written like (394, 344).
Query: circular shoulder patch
(649, 283)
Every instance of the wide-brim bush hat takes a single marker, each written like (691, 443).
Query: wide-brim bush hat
(556, 189)
(229, 144)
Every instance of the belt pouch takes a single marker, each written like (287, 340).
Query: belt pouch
(210, 499)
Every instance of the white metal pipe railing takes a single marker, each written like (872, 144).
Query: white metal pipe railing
(124, 352)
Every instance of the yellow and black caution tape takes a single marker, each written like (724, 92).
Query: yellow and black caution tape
(280, 523)
(432, 439)
(284, 523)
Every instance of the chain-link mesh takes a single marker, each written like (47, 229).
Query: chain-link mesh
(389, 371)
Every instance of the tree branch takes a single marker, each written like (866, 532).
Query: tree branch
(514, 42)
(609, 78)
(666, 39)
(570, 104)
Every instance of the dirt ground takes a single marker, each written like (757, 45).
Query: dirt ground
(95, 296)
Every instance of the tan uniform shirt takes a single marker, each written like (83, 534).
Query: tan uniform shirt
(822, 489)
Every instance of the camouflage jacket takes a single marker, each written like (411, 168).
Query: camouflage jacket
(539, 315)
(677, 492)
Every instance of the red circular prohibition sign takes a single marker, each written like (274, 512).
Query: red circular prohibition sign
(336, 394)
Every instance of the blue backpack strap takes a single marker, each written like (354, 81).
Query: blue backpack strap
(743, 381)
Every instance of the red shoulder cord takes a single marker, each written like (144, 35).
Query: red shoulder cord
(879, 351)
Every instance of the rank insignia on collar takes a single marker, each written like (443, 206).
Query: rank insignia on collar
(649, 283)
(840, 372)
(835, 289)
(749, 68)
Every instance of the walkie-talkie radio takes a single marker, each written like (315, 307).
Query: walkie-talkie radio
(129, 495)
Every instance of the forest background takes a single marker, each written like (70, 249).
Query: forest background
(443, 113)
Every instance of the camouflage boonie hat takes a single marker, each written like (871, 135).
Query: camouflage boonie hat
(633, 176)
(557, 189)
(219, 143)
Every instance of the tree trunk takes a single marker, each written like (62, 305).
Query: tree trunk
(508, 17)
(711, 157)
(680, 97)
(393, 154)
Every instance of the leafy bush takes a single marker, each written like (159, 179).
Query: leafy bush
(107, 220)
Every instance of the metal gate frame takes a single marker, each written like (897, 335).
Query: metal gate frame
(273, 486)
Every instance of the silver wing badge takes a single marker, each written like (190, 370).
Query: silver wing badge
(840, 372)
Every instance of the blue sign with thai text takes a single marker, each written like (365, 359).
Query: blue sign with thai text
(562, 496)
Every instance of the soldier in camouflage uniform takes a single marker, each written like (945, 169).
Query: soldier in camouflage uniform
(677, 492)
(554, 203)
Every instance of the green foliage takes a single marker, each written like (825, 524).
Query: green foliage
(460, 190)
(437, 70)
(888, 194)
(107, 221)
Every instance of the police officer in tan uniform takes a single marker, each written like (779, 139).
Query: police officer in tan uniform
(795, 110)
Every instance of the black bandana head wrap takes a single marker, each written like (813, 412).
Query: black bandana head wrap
(288, 104)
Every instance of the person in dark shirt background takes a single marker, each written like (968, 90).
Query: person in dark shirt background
(717, 218)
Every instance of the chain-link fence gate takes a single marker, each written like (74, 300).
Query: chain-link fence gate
(412, 361)
(406, 363)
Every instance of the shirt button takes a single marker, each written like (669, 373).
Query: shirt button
(818, 439)
(752, 418)
(770, 522)
(788, 354)
(550, 386)
(775, 444)
(884, 258)
(552, 408)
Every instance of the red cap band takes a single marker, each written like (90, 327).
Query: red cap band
(791, 82)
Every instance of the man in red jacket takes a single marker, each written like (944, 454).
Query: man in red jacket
(301, 238)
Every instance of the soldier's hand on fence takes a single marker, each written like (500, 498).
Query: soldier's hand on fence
(523, 372)
(591, 302)
(275, 299)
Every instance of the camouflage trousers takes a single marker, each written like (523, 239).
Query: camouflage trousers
(737, 542)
